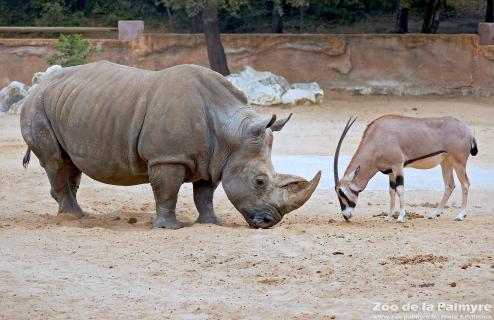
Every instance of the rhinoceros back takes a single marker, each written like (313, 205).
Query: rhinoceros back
(114, 120)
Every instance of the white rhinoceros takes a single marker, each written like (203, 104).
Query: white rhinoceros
(126, 126)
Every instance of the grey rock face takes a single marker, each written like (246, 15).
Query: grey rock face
(11, 94)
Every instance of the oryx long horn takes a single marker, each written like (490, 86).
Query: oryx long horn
(349, 123)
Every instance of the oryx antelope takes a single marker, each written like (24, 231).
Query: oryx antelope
(391, 143)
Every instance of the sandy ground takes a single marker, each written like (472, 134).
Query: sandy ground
(312, 265)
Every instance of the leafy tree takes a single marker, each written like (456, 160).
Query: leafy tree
(432, 15)
(229, 15)
(216, 52)
(53, 14)
(72, 50)
(402, 9)
(209, 10)
(276, 16)
(302, 5)
(489, 11)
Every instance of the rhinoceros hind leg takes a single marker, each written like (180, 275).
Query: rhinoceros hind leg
(203, 198)
(64, 179)
(64, 176)
(166, 181)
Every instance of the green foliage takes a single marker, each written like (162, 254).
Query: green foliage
(406, 3)
(193, 7)
(234, 15)
(72, 50)
(52, 14)
(299, 3)
(349, 10)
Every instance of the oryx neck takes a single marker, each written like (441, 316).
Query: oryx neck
(365, 172)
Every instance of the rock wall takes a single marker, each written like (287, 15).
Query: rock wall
(363, 64)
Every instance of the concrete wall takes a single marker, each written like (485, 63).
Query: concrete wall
(365, 64)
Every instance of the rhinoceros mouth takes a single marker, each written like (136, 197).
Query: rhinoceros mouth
(262, 218)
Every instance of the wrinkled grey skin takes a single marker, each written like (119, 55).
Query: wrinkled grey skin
(126, 126)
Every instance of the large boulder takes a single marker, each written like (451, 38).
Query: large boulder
(13, 96)
(17, 107)
(300, 93)
(12, 93)
(261, 88)
(39, 75)
(266, 88)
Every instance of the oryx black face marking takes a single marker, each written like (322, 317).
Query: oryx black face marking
(392, 184)
(399, 181)
(342, 205)
(351, 204)
(355, 192)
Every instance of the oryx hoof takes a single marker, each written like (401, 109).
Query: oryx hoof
(435, 214)
(461, 215)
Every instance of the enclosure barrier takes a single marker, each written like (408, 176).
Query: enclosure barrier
(56, 29)
(359, 63)
(127, 30)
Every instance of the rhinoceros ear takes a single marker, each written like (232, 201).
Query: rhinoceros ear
(259, 127)
(280, 123)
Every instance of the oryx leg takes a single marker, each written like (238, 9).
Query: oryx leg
(400, 190)
(449, 186)
(392, 195)
(461, 173)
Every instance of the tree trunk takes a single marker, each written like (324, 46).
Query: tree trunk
(489, 12)
(276, 20)
(401, 24)
(432, 16)
(216, 53)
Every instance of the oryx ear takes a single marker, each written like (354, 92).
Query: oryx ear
(280, 123)
(259, 127)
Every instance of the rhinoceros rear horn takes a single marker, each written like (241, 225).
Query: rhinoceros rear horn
(280, 123)
(259, 127)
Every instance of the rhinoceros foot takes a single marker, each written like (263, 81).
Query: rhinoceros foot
(68, 208)
(167, 222)
(209, 218)
(72, 215)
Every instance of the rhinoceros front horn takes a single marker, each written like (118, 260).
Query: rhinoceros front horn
(299, 191)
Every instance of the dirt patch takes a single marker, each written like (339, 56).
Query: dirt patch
(409, 215)
(270, 281)
(313, 265)
(428, 258)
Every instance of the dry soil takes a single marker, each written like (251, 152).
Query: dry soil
(313, 265)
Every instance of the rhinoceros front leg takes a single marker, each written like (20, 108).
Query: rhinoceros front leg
(203, 198)
(166, 181)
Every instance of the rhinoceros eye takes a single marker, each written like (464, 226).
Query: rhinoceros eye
(260, 181)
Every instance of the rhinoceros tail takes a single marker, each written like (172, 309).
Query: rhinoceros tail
(27, 157)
